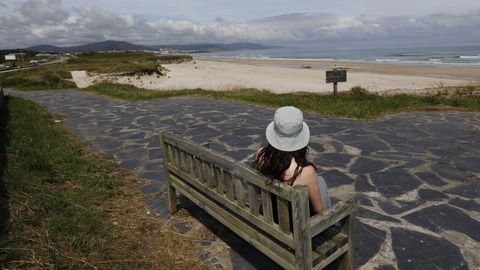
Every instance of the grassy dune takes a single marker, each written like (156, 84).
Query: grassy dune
(38, 79)
(58, 76)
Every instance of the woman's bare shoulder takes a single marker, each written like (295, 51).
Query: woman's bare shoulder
(309, 170)
(308, 175)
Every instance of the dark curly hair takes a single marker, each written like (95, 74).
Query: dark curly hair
(273, 162)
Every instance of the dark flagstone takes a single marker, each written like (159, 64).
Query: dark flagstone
(470, 190)
(394, 207)
(394, 182)
(335, 178)
(431, 195)
(444, 217)
(365, 213)
(431, 178)
(367, 243)
(333, 160)
(367, 165)
(465, 204)
(363, 200)
(362, 184)
(415, 250)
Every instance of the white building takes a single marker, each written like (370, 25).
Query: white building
(10, 57)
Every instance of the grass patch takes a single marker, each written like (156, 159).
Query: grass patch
(62, 207)
(357, 103)
(39, 78)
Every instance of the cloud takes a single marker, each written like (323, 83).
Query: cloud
(43, 12)
(36, 22)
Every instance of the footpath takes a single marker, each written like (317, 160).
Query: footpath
(416, 174)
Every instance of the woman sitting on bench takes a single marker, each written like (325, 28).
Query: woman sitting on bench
(285, 157)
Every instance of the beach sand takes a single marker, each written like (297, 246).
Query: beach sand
(284, 76)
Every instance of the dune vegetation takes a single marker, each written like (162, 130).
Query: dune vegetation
(356, 103)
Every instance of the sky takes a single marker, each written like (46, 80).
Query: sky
(369, 23)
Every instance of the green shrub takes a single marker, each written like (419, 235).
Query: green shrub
(174, 59)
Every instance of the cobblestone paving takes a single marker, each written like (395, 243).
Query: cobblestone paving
(417, 175)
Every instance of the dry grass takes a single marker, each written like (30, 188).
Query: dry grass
(63, 207)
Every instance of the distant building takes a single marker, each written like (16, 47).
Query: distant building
(10, 57)
(42, 55)
(166, 51)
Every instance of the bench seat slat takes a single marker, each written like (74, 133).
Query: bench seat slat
(176, 154)
(327, 243)
(190, 164)
(209, 174)
(267, 206)
(199, 174)
(253, 199)
(183, 161)
(229, 186)
(240, 191)
(283, 215)
(331, 258)
(219, 184)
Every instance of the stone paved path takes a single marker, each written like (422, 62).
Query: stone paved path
(417, 175)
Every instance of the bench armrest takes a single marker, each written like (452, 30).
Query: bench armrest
(339, 211)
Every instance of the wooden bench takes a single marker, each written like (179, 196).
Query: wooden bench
(273, 218)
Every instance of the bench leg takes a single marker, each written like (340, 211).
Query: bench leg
(346, 261)
(172, 199)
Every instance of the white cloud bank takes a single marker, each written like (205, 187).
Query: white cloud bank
(36, 22)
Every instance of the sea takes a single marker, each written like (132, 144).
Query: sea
(453, 55)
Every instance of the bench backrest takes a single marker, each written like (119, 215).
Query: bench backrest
(274, 218)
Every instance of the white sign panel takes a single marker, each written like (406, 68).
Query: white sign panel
(10, 57)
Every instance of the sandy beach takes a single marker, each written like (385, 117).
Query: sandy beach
(284, 76)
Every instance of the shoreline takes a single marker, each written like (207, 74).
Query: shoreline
(453, 71)
(377, 61)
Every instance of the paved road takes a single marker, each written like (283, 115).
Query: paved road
(58, 60)
(417, 175)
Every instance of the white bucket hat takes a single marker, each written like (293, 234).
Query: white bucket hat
(287, 132)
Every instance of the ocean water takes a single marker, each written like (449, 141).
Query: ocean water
(455, 55)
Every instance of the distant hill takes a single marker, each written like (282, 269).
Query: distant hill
(245, 46)
(111, 45)
(212, 47)
(46, 48)
(198, 47)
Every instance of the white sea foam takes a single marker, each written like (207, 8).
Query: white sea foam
(388, 60)
(469, 56)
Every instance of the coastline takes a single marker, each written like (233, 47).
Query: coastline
(288, 76)
(454, 71)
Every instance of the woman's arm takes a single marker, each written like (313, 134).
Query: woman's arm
(308, 178)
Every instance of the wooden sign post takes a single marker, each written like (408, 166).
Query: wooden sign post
(335, 76)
